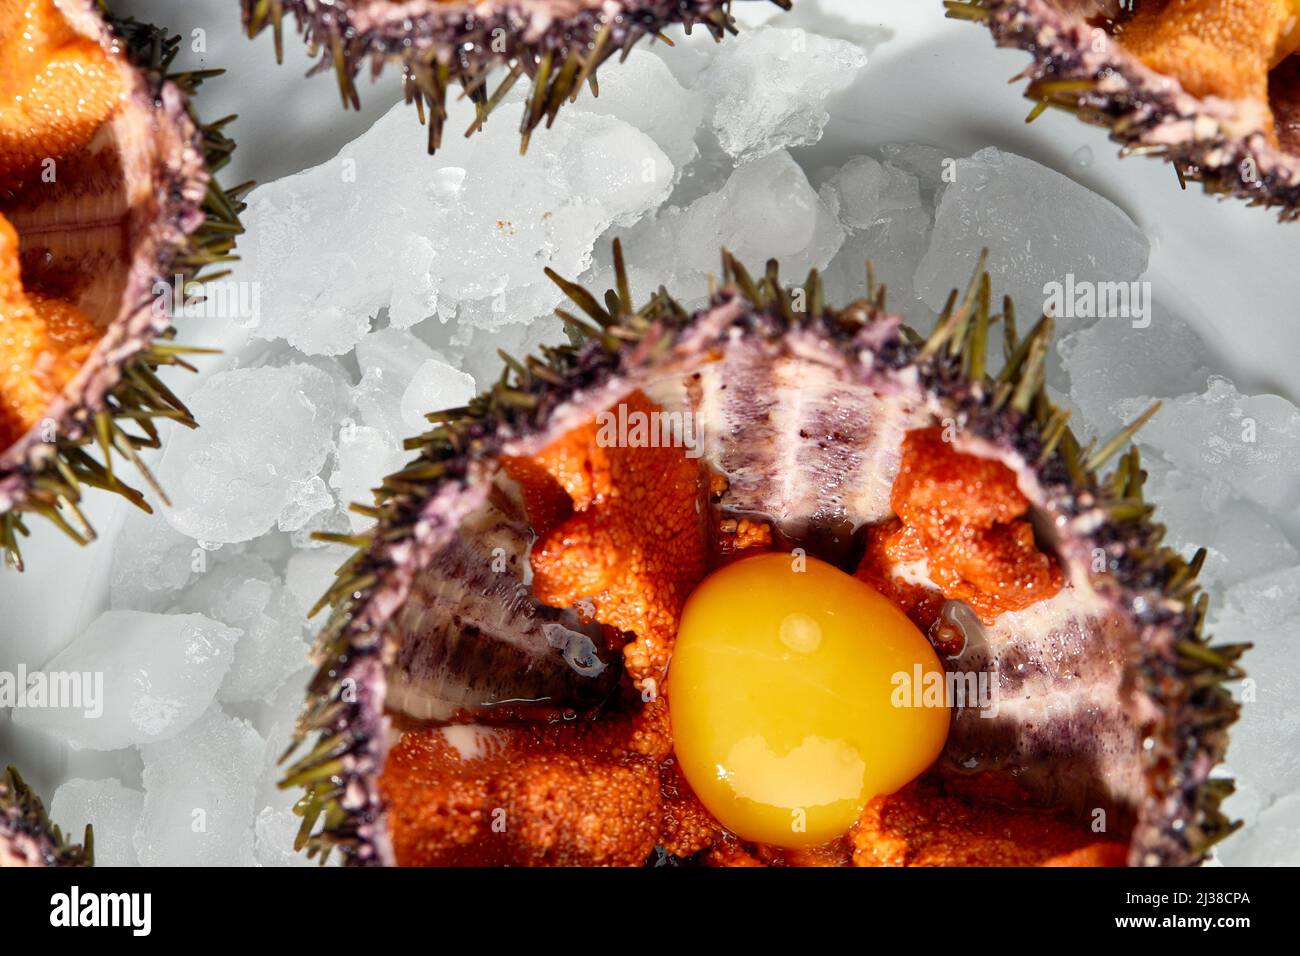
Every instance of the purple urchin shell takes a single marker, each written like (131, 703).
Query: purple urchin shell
(1139, 715)
(174, 220)
(27, 836)
(557, 44)
(1079, 66)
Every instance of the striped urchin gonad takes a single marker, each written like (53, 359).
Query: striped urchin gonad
(1213, 86)
(27, 836)
(572, 640)
(556, 44)
(106, 198)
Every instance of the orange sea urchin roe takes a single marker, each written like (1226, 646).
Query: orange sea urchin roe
(56, 88)
(569, 793)
(1219, 48)
(621, 526)
(783, 699)
(964, 515)
(922, 826)
(43, 342)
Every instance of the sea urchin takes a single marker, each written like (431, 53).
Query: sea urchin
(106, 197)
(556, 44)
(496, 677)
(1212, 86)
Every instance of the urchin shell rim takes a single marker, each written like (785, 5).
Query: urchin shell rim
(428, 39)
(1146, 113)
(26, 830)
(1178, 669)
(119, 384)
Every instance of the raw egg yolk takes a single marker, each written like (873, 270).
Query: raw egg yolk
(788, 693)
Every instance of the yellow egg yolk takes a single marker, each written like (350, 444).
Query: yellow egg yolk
(784, 695)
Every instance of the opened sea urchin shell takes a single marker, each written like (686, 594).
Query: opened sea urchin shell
(107, 198)
(1212, 86)
(27, 836)
(556, 44)
(443, 652)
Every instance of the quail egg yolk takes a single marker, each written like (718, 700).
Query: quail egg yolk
(790, 701)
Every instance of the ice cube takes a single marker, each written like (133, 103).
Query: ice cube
(366, 456)
(926, 163)
(1040, 227)
(151, 562)
(766, 209)
(1242, 445)
(110, 808)
(144, 677)
(880, 207)
(307, 499)
(1268, 600)
(465, 236)
(273, 834)
(769, 87)
(389, 360)
(1264, 751)
(644, 93)
(1241, 540)
(275, 721)
(481, 361)
(265, 432)
(1111, 361)
(199, 790)
(249, 596)
(1272, 839)
(436, 386)
(311, 573)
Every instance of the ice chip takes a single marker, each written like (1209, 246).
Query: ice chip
(307, 499)
(265, 432)
(880, 207)
(769, 88)
(1244, 445)
(151, 561)
(644, 93)
(1040, 228)
(248, 595)
(1111, 361)
(144, 678)
(366, 456)
(434, 387)
(274, 833)
(110, 808)
(199, 791)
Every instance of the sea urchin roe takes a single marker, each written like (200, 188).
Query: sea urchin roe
(56, 88)
(782, 693)
(43, 342)
(921, 825)
(621, 526)
(964, 515)
(568, 793)
(1219, 48)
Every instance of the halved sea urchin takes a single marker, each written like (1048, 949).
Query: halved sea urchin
(27, 836)
(1212, 86)
(106, 198)
(556, 44)
(497, 676)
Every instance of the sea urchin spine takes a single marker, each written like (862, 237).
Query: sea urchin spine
(556, 44)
